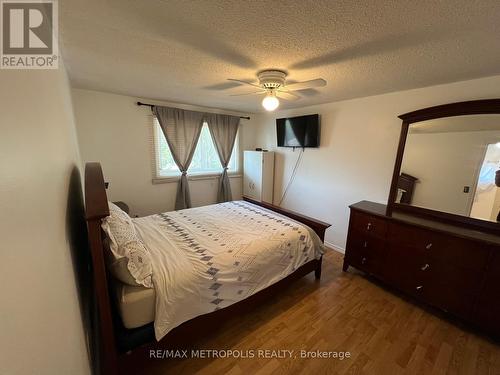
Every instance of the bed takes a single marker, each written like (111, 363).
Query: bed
(207, 264)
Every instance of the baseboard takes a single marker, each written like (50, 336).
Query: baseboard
(336, 248)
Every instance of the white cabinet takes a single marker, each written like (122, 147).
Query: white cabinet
(258, 175)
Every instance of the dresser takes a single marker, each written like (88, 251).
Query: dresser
(451, 267)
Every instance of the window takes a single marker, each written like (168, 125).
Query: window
(205, 159)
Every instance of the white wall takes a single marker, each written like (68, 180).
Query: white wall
(114, 131)
(359, 140)
(41, 327)
(444, 163)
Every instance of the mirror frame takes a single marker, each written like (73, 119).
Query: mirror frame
(475, 107)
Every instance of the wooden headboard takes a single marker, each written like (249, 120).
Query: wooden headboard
(96, 208)
(407, 183)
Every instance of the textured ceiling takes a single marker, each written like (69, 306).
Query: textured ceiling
(183, 51)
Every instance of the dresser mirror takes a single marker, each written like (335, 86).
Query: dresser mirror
(447, 163)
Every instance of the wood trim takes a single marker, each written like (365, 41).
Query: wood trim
(96, 200)
(317, 225)
(397, 166)
(446, 217)
(475, 107)
(96, 206)
(426, 221)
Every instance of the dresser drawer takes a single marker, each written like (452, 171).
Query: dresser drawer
(422, 266)
(368, 224)
(439, 284)
(493, 270)
(446, 297)
(401, 272)
(452, 288)
(439, 247)
(487, 312)
(486, 316)
(365, 251)
(364, 261)
(362, 242)
(461, 280)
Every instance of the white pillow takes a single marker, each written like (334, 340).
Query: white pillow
(129, 260)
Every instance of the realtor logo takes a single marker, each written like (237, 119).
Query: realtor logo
(29, 34)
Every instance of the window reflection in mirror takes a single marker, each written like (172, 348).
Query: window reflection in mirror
(449, 165)
(486, 202)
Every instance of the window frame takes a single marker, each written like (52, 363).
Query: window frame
(159, 178)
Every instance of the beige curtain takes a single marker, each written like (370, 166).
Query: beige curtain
(223, 129)
(182, 130)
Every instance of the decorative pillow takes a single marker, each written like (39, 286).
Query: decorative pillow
(128, 259)
(119, 268)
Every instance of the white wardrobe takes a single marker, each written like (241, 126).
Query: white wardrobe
(258, 175)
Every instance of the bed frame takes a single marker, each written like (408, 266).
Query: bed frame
(118, 345)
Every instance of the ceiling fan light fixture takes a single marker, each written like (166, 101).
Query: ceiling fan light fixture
(274, 85)
(270, 102)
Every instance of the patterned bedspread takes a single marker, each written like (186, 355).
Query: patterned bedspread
(208, 258)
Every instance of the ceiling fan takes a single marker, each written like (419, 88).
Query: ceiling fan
(273, 84)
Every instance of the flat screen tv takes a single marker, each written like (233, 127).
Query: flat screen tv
(301, 131)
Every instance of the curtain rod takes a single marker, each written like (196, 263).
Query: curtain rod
(152, 105)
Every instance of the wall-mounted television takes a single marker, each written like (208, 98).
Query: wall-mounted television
(301, 131)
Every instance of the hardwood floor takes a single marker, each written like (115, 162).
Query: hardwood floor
(384, 332)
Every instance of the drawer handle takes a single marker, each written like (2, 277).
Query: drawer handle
(363, 261)
(365, 244)
(425, 267)
(428, 246)
(369, 226)
(420, 287)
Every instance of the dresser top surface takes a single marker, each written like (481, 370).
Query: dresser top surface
(380, 209)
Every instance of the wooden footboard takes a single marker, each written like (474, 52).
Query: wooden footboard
(316, 225)
(114, 340)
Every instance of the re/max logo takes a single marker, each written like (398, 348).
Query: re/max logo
(165, 354)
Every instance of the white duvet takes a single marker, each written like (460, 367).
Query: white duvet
(208, 258)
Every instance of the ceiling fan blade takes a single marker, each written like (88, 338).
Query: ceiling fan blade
(250, 93)
(320, 82)
(287, 95)
(244, 82)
